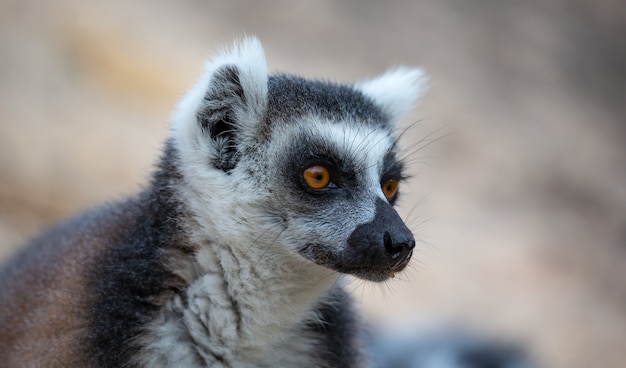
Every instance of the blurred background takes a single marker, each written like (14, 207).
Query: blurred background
(522, 211)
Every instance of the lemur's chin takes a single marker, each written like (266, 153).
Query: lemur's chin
(379, 275)
(368, 264)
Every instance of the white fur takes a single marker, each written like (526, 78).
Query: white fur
(274, 297)
(397, 90)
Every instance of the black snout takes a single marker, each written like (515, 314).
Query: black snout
(381, 247)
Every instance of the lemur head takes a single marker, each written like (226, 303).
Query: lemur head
(307, 168)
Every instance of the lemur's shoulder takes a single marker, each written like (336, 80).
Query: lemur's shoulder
(45, 293)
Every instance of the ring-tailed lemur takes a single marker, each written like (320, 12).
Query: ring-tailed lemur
(269, 188)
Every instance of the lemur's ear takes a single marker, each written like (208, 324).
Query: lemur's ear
(396, 91)
(225, 107)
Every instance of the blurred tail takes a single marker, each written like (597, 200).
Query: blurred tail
(451, 349)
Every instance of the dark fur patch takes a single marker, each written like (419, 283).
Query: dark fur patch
(339, 331)
(130, 278)
(217, 115)
(290, 97)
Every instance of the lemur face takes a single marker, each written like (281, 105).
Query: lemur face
(311, 166)
(337, 183)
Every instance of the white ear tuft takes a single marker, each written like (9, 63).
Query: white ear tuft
(396, 91)
(248, 56)
(229, 99)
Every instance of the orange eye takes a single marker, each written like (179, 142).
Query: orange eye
(390, 188)
(316, 177)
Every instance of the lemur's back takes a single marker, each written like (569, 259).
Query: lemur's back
(44, 294)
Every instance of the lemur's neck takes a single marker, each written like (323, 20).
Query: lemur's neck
(254, 300)
(264, 290)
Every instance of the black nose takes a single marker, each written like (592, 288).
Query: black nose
(396, 248)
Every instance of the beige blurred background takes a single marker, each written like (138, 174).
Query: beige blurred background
(522, 211)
